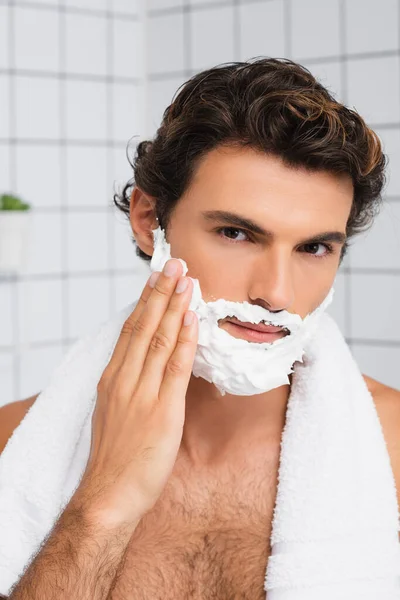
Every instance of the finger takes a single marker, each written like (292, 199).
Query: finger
(117, 357)
(145, 327)
(165, 339)
(121, 346)
(179, 367)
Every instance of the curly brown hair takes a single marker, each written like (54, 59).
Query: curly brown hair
(272, 105)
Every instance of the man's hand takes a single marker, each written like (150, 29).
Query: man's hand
(138, 420)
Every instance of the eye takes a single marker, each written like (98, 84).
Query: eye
(232, 233)
(328, 249)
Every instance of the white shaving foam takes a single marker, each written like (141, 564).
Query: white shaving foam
(235, 365)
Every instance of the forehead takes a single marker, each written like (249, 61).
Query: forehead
(244, 179)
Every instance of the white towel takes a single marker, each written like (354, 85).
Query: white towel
(336, 520)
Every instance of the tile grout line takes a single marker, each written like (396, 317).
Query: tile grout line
(110, 91)
(344, 94)
(64, 159)
(13, 181)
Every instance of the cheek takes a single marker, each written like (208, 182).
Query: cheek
(222, 270)
(309, 298)
(218, 278)
(219, 281)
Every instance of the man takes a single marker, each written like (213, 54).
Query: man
(248, 220)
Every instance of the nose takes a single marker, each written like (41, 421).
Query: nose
(271, 281)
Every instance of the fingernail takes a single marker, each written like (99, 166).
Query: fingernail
(182, 285)
(153, 278)
(188, 318)
(170, 268)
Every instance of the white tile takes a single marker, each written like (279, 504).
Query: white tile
(88, 303)
(86, 53)
(40, 311)
(6, 313)
(380, 363)
(262, 30)
(36, 39)
(371, 26)
(127, 6)
(128, 111)
(390, 139)
(122, 174)
(379, 248)
(337, 309)
(44, 245)
(165, 46)
(37, 107)
(161, 4)
(141, 273)
(5, 175)
(87, 183)
(329, 74)
(38, 174)
(315, 29)
(124, 250)
(161, 95)
(129, 287)
(87, 241)
(54, 3)
(373, 88)
(37, 366)
(212, 40)
(375, 301)
(4, 32)
(5, 125)
(90, 4)
(122, 171)
(86, 110)
(7, 391)
(128, 54)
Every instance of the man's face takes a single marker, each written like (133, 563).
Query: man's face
(287, 270)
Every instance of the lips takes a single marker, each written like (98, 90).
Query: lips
(255, 332)
(257, 326)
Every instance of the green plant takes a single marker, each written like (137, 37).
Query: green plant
(11, 202)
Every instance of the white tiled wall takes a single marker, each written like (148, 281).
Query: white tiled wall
(72, 86)
(70, 102)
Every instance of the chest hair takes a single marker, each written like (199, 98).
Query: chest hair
(206, 538)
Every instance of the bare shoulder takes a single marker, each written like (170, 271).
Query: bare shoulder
(11, 416)
(387, 402)
(386, 398)
(374, 386)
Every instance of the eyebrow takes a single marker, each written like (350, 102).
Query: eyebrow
(223, 216)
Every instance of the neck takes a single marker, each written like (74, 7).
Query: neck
(218, 428)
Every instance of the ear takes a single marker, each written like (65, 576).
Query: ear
(142, 216)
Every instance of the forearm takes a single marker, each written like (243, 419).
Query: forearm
(79, 559)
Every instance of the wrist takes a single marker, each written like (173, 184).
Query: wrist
(101, 517)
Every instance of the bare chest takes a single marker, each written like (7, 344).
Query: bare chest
(203, 541)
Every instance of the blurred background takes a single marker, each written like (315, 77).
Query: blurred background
(82, 80)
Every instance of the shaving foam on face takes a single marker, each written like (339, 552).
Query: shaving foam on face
(234, 365)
